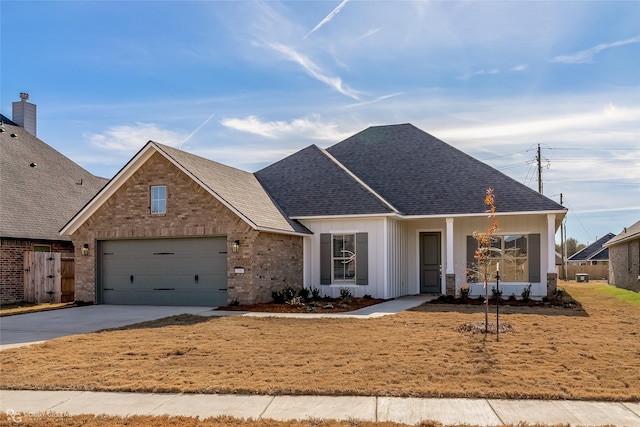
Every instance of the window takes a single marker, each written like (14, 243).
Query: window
(344, 257)
(158, 199)
(519, 261)
(41, 248)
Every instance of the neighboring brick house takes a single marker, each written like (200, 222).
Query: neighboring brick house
(387, 212)
(624, 258)
(40, 189)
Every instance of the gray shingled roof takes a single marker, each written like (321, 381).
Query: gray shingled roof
(629, 233)
(595, 251)
(309, 183)
(422, 175)
(415, 172)
(35, 202)
(238, 188)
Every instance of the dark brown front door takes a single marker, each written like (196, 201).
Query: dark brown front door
(430, 263)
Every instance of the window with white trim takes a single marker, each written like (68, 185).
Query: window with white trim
(511, 253)
(158, 199)
(517, 254)
(344, 258)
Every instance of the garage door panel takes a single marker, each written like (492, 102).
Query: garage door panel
(165, 271)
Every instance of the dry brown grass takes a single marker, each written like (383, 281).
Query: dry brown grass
(51, 419)
(561, 354)
(23, 308)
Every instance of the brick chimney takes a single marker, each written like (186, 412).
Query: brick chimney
(24, 114)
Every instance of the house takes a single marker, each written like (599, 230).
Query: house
(595, 253)
(387, 212)
(624, 258)
(40, 189)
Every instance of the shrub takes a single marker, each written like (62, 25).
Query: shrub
(278, 296)
(512, 297)
(283, 295)
(465, 291)
(367, 296)
(304, 294)
(496, 295)
(315, 294)
(526, 293)
(345, 295)
(234, 302)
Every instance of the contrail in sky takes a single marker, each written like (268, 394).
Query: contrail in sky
(197, 129)
(328, 18)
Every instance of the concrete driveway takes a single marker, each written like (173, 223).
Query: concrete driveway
(25, 329)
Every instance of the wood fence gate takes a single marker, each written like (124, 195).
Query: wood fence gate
(48, 277)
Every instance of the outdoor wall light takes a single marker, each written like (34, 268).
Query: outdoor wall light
(235, 246)
(85, 249)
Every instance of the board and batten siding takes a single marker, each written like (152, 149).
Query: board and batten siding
(374, 227)
(397, 248)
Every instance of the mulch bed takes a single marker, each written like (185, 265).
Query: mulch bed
(321, 306)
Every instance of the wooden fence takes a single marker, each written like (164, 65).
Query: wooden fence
(48, 277)
(596, 272)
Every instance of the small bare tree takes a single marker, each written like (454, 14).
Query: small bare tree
(484, 250)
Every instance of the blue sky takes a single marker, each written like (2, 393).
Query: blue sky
(246, 83)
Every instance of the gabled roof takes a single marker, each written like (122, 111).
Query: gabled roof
(312, 183)
(35, 201)
(629, 233)
(240, 191)
(396, 169)
(595, 251)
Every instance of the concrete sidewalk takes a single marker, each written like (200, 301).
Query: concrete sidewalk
(485, 412)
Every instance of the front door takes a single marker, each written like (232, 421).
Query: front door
(430, 263)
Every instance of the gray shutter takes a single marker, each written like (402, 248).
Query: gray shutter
(325, 259)
(534, 258)
(362, 259)
(472, 245)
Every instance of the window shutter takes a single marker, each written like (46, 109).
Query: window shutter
(362, 259)
(325, 259)
(534, 258)
(472, 245)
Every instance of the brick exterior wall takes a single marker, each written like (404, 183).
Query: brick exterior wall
(270, 261)
(12, 264)
(624, 265)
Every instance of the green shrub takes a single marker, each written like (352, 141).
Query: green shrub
(526, 293)
(304, 294)
(496, 295)
(345, 295)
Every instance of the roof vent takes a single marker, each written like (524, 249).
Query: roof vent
(13, 135)
(33, 165)
(24, 96)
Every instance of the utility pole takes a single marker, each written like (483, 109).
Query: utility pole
(539, 160)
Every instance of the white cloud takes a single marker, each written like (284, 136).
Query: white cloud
(520, 67)
(299, 128)
(127, 139)
(586, 56)
(327, 18)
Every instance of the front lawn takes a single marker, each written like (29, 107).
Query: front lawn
(590, 353)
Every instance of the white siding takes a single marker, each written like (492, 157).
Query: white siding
(397, 275)
(375, 227)
(394, 252)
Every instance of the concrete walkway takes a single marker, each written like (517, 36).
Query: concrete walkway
(34, 328)
(484, 412)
